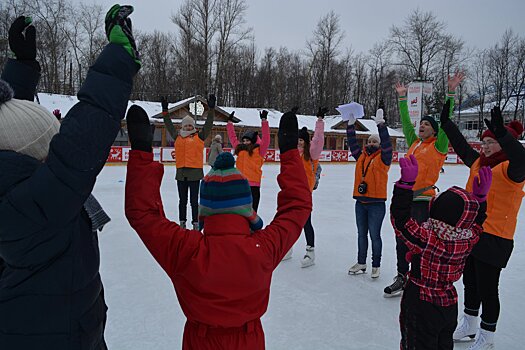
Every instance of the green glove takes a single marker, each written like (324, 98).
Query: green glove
(118, 29)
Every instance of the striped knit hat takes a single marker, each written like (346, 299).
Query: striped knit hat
(225, 191)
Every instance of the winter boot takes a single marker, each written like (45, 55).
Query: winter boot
(357, 269)
(395, 288)
(467, 327)
(195, 225)
(375, 272)
(309, 257)
(182, 223)
(288, 255)
(484, 341)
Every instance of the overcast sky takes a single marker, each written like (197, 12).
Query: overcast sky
(289, 23)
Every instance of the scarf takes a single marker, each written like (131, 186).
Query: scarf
(493, 160)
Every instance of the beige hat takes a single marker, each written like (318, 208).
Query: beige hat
(25, 127)
(374, 137)
(218, 137)
(187, 120)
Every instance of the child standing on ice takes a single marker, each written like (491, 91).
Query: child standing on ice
(370, 181)
(437, 250)
(221, 276)
(250, 153)
(189, 148)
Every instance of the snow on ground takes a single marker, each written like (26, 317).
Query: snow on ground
(319, 307)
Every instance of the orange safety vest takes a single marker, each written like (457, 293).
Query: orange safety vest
(429, 161)
(310, 167)
(250, 166)
(189, 152)
(376, 176)
(503, 200)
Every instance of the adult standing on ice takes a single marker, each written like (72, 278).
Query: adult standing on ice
(250, 153)
(370, 182)
(222, 277)
(430, 147)
(215, 149)
(189, 148)
(506, 156)
(51, 294)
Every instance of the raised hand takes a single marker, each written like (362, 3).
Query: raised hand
(321, 112)
(211, 101)
(57, 114)
(409, 169)
(496, 123)
(23, 45)
(288, 134)
(230, 117)
(379, 117)
(118, 29)
(481, 184)
(445, 113)
(263, 115)
(401, 89)
(139, 129)
(454, 81)
(164, 103)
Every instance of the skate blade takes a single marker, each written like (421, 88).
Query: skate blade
(466, 339)
(307, 264)
(393, 295)
(360, 272)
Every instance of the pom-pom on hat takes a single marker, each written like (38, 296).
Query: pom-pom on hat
(225, 191)
(515, 128)
(25, 127)
(303, 134)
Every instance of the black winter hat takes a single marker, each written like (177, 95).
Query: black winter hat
(432, 122)
(303, 134)
(447, 207)
(250, 135)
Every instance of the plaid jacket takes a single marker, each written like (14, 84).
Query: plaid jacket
(437, 250)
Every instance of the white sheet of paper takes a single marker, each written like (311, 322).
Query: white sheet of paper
(351, 111)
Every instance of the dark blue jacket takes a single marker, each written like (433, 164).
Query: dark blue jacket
(51, 295)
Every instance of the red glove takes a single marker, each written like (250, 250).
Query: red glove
(57, 114)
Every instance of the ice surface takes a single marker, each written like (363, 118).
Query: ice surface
(319, 307)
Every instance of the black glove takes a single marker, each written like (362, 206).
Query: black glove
(211, 101)
(294, 109)
(445, 113)
(322, 111)
(288, 134)
(24, 47)
(119, 31)
(139, 129)
(164, 103)
(230, 117)
(263, 114)
(496, 123)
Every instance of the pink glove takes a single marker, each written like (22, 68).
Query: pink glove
(408, 172)
(481, 183)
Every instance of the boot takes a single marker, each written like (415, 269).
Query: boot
(484, 341)
(375, 272)
(288, 255)
(309, 257)
(467, 327)
(195, 225)
(357, 269)
(182, 223)
(395, 288)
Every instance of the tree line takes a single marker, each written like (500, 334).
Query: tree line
(212, 50)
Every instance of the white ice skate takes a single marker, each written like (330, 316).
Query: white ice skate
(357, 269)
(375, 272)
(467, 328)
(288, 255)
(309, 257)
(484, 341)
(182, 224)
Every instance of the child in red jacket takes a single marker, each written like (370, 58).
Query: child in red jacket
(438, 249)
(222, 277)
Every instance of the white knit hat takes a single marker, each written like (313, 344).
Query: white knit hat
(218, 137)
(187, 120)
(374, 137)
(25, 127)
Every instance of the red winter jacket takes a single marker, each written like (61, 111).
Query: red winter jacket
(222, 277)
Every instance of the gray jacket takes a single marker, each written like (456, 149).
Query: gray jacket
(215, 149)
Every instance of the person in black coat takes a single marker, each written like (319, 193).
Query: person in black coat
(51, 293)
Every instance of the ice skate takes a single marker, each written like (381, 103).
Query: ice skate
(375, 272)
(357, 269)
(396, 288)
(467, 328)
(309, 257)
(195, 225)
(288, 255)
(484, 341)
(182, 223)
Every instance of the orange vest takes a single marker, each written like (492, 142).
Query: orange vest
(376, 176)
(429, 161)
(250, 166)
(189, 152)
(310, 167)
(503, 200)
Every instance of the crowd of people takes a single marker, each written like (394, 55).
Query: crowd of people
(51, 293)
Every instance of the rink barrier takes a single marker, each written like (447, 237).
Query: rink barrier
(120, 154)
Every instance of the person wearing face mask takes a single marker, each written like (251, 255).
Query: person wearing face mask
(189, 148)
(371, 178)
(504, 154)
(430, 147)
(250, 153)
